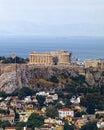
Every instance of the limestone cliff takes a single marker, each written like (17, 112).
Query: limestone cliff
(17, 76)
(94, 77)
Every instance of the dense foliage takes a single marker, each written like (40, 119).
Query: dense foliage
(4, 124)
(68, 127)
(51, 112)
(35, 120)
(17, 59)
(93, 101)
(41, 100)
(90, 126)
(25, 91)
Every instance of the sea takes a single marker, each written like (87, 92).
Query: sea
(81, 48)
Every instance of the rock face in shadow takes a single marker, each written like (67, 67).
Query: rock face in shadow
(19, 76)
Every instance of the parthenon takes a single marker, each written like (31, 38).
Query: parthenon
(50, 58)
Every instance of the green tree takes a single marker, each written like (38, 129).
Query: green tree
(90, 109)
(79, 114)
(70, 89)
(79, 79)
(2, 111)
(54, 79)
(102, 90)
(90, 126)
(93, 101)
(68, 103)
(35, 120)
(41, 100)
(21, 124)
(17, 116)
(68, 127)
(51, 112)
(3, 94)
(60, 94)
(4, 124)
(25, 91)
(17, 59)
(59, 105)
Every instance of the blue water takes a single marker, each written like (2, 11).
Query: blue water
(82, 48)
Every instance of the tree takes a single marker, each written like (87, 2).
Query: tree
(70, 89)
(17, 59)
(79, 114)
(20, 124)
(68, 103)
(59, 106)
(90, 109)
(25, 91)
(17, 116)
(2, 111)
(41, 100)
(35, 120)
(102, 90)
(93, 101)
(90, 126)
(51, 112)
(3, 94)
(4, 124)
(60, 94)
(79, 79)
(54, 79)
(68, 127)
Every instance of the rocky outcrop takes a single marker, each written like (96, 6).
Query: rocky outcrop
(21, 75)
(94, 77)
(8, 82)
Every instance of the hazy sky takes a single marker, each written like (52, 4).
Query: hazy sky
(57, 18)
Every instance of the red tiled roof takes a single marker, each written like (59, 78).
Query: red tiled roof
(11, 128)
(49, 98)
(15, 97)
(65, 109)
(15, 128)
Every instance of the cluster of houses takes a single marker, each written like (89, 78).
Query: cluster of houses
(26, 107)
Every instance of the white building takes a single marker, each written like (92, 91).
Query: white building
(53, 121)
(27, 99)
(7, 99)
(65, 112)
(62, 103)
(100, 125)
(55, 97)
(42, 93)
(75, 100)
(24, 116)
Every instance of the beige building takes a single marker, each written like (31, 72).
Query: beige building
(50, 58)
(94, 63)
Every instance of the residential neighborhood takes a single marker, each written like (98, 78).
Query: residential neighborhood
(50, 108)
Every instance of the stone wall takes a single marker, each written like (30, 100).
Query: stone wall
(94, 63)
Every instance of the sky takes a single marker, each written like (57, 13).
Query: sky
(51, 18)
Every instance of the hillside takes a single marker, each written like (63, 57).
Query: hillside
(13, 77)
